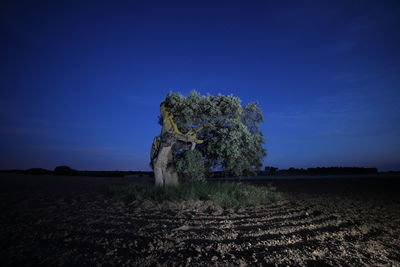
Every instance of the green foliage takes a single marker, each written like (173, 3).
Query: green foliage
(191, 166)
(226, 195)
(233, 140)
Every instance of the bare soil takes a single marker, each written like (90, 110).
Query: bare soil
(70, 221)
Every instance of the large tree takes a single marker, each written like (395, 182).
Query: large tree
(226, 134)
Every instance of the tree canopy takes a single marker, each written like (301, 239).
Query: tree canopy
(232, 138)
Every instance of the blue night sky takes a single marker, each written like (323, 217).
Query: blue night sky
(81, 82)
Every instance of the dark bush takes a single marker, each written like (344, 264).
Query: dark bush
(37, 171)
(64, 170)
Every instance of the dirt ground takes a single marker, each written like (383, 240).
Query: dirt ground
(70, 221)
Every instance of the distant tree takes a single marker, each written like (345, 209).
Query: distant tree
(225, 134)
(37, 171)
(341, 170)
(270, 169)
(64, 170)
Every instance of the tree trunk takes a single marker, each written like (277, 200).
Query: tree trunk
(164, 168)
(161, 157)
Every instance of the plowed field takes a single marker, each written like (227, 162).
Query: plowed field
(71, 221)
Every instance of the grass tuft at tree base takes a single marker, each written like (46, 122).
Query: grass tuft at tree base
(225, 195)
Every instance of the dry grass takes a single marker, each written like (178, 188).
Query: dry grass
(225, 195)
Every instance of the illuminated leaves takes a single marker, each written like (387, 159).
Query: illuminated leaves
(231, 131)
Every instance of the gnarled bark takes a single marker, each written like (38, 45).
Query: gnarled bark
(162, 150)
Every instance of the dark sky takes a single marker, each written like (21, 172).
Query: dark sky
(81, 82)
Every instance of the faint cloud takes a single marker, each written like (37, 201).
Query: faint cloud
(106, 150)
(351, 77)
(343, 114)
(287, 115)
(21, 131)
(356, 30)
(365, 76)
(342, 46)
(73, 148)
(142, 100)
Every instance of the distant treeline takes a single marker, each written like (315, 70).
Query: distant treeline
(309, 171)
(319, 171)
(67, 171)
